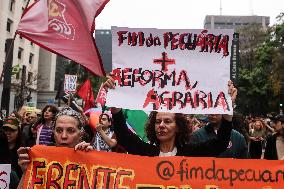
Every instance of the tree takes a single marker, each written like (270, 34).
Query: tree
(83, 74)
(252, 83)
(261, 68)
(276, 41)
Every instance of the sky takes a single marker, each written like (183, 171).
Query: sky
(180, 14)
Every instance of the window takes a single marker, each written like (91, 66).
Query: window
(31, 58)
(6, 47)
(12, 3)
(20, 52)
(9, 25)
(30, 77)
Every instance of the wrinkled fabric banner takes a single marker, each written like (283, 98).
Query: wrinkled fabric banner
(65, 27)
(59, 167)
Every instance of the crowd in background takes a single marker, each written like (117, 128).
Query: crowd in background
(251, 137)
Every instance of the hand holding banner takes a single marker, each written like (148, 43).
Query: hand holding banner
(111, 170)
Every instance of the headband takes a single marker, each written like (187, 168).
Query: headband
(70, 112)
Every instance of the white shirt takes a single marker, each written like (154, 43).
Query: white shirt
(168, 154)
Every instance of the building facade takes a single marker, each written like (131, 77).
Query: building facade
(27, 56)
(43, 70)
(103, 40)
(234, 22)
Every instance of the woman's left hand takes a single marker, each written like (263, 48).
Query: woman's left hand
(232, 91)
(84, 146)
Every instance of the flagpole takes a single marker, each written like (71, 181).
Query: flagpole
(10, 47)
(69, 100)
(6, 57)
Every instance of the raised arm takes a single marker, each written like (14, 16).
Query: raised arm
(109, 141)
(130, 141)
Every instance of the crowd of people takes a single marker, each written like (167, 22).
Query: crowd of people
(169, 134)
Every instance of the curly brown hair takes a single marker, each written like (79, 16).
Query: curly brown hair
(183, 133)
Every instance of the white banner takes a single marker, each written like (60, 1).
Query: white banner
(5, 171)
(183, 71)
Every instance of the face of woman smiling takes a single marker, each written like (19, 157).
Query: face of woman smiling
(66, 131)
(165, 127)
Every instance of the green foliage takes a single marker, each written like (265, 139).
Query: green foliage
(83, 74)
(261, 73)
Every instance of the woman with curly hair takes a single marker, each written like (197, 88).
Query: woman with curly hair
(168, 134)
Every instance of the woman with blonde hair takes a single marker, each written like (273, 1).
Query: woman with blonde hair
(257, 137)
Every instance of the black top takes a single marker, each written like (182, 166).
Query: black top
(134, 145)
(14, 161)
(270, 149)
(237, 147)
(14, 180)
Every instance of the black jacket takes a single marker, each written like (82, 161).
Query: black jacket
(134, 145)
(237, 147)
(270, 149)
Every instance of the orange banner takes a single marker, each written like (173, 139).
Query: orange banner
(57, 167)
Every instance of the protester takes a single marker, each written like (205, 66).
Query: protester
(257, 137)
(6, 159)
(239, 124)
(168, 133)
(12, 129)
(25, 120)
(237, 147)
(15, 114)
(89, 133)
(22, 112)
(44, 125)
(193, 123)
(29, 132)
(275, 144)
(104, 139)
(68, 130)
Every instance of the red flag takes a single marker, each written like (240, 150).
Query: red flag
(86, 93)
(65, 27)
(101, 97)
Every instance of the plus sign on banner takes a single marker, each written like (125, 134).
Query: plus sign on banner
(184, 71)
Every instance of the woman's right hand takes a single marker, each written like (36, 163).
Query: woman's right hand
(99, 127)
(109, 84)
(24, 158)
